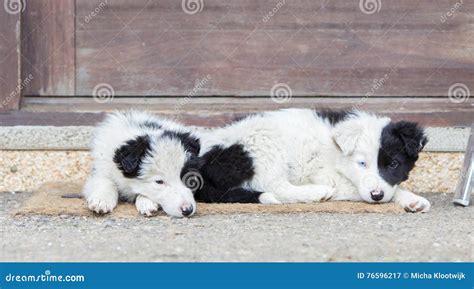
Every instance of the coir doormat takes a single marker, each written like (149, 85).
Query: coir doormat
(64, 199)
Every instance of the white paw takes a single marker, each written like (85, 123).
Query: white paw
(325, 193)
(146, 206)
(415, 204)
(102, 204)
(315, 193)
(267, 198)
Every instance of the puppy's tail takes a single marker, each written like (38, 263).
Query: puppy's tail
(209, 194)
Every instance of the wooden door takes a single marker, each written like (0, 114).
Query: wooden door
(244, 48)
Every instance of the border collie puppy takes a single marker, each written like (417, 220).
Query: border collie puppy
(139, 157)
(299, 155)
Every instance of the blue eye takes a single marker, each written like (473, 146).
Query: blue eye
(362, 164)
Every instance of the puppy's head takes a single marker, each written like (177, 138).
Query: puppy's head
(377, 154)
(400, 144)
(152, 166)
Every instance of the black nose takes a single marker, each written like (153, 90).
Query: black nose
(376, 195)
(187, 210)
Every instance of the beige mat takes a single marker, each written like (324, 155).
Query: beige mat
(63, 199)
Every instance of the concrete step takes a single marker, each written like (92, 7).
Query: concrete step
(26, 170)
(32, 155)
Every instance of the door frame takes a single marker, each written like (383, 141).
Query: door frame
(10, 56)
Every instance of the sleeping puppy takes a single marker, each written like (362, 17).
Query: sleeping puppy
(139, 158)
(300, 155)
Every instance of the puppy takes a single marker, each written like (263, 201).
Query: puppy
(300, 155)
(140, 158)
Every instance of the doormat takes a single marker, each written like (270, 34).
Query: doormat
(65, 199)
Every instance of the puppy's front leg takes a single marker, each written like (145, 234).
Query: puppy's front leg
(100, 193)
(287, 193)
(344, 189)
(411, 202)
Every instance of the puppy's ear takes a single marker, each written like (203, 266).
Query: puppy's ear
(191, 143)
(346, 135)
(129, 156)
(412, 136)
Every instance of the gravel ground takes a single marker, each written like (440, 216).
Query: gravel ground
(444, 234)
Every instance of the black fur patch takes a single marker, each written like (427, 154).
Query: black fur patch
(228, 167)
(210, 194)
(333, 116)
(130, 155)
(400, 144)
(224, 170)
(190, 143)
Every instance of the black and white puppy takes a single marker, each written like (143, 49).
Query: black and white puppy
(140, 158)
(299, 155)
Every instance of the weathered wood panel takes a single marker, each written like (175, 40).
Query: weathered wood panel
(48, 47)
(10, 90)
(330, 48)
(218, 111)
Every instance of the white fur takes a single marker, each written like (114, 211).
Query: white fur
(167, 158)
(300, 157)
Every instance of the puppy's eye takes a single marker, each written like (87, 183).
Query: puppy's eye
(362, 164)
(394, 164)
(159, 182)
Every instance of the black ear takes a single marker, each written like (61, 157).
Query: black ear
(412, 135)
(190, 143)
(130, 155)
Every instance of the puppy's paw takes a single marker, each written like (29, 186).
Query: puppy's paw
(314, 193)
(146, 206)
(415, 204)
(102, 204)
(324, 193)
(267, 198)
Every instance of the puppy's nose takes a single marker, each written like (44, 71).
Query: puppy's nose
(187, 210)
(376, 195)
